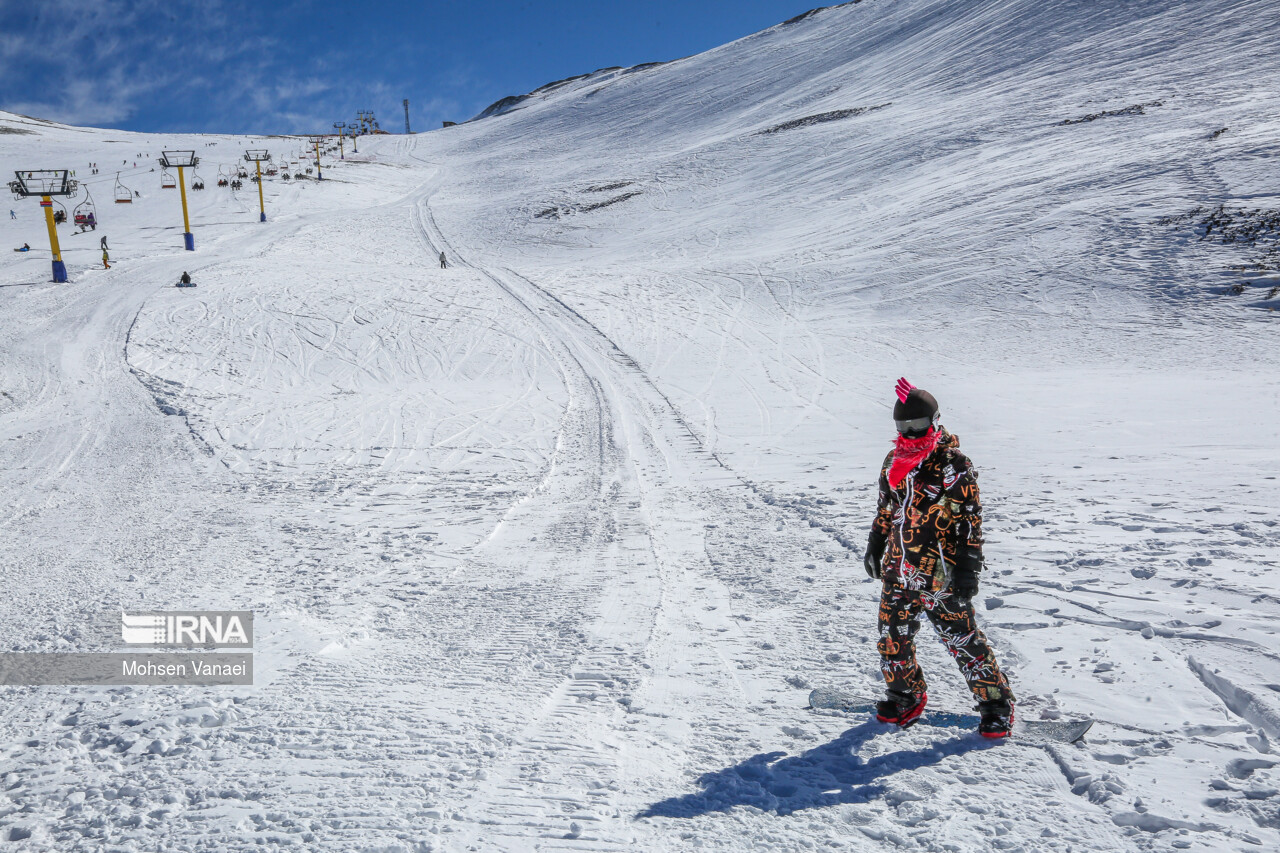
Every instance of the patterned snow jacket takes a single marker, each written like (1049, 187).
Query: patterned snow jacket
(932, 513)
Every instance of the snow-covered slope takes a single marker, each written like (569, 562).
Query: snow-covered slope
(546, 547)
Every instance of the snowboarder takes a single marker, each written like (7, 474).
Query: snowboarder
(25, 248)
(442, 263)
(103, 242)
(185, 278)
(106, 259)
(930, 517)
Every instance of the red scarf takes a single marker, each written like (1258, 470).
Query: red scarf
(910, 452)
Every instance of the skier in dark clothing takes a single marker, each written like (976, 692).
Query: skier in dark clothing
(442, 263)
(930, 517)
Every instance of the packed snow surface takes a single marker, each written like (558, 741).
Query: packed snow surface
(547, 547)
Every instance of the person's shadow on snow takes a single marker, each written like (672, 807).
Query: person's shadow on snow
(827, 775)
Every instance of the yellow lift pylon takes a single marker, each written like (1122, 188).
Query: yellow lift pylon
(179, 160)
(47, 183)
(257, 156)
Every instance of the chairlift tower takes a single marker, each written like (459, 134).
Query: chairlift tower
(182, 160)
(315, 138)
(406, 116)
(258, 156)
(47, 183)
(338, 126)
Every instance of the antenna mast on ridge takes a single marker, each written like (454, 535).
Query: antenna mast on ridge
(406, 116)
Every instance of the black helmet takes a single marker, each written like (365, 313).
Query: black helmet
(915, 411)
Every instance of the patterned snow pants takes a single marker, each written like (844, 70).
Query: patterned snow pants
(956, 626)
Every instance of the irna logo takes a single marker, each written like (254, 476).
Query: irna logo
(188, 628)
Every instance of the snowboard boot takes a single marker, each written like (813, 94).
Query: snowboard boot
(900, 708)
(997, 718)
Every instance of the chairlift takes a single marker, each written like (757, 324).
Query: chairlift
(197, 182)
(85, 214)
(298, 176)
(60, 215)
(284, 176)
(124, 195)
(167, 181)
(242, 172)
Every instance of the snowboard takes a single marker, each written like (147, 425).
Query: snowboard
(1031, 731)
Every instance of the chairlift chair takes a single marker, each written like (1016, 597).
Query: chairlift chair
(167, 181)
(197, 182)
(59, 215)
(124, 195)
(85, 214)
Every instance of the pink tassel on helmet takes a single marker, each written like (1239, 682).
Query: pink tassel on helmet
(904, 388)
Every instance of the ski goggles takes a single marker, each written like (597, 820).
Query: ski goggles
(914, 427)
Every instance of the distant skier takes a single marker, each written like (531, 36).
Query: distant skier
(930, 516)
(106, 259)
(12, 215)
(103, 242)
(442, 263)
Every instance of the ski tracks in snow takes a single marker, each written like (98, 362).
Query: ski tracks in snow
(675, 678)
(510, 597)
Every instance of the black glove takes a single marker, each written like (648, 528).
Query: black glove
(875, 552)
(964, 574)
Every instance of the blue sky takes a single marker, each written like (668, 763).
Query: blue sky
(297, 66)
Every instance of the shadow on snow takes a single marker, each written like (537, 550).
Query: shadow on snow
(827, 775)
